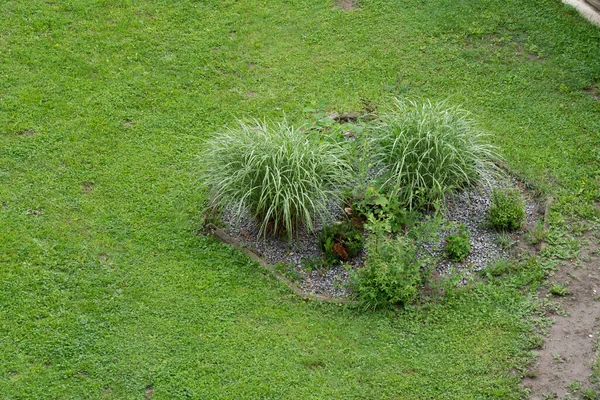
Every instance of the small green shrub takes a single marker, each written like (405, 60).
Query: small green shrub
(429, 150)
(507, 211)
(458, 245)
(375, 206)
(283, 176)
(391, 274)
(340, 242)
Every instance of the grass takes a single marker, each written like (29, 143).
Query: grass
(536, 234)
(107, 291)
(280, 174)
(430, 150)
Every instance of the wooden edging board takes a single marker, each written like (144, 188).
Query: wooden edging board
(226, 238)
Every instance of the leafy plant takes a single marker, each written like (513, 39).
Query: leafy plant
(391, 274)
(589, 394)
(281, 175)
(558, 289)
(507, 211)
(340, 242)
(312, 263)
(373, 205)
(429, 150)
(427, 229)
(458, 245)
(579, 228)
(574, 386)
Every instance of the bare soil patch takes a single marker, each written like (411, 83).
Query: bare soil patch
(593, 91)
(569, 348)
(149, 392)
(35, 212)
(87, 187)
(347, 5)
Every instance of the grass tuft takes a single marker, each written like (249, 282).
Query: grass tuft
(429, 150)
(283, 176)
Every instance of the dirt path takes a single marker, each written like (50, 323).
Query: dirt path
(564, 364)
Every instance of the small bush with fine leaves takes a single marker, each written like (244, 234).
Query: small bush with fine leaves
(458, 245)
(391, 274)
(507, 211)
(430, 149)
(283, 176)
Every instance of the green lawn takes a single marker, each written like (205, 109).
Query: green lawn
(106, 290)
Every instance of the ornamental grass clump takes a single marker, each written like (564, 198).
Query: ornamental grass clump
(429, 150)
(283, 176)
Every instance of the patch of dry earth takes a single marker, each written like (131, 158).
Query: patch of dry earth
(568, 351)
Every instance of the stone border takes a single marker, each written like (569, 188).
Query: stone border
(254, 256)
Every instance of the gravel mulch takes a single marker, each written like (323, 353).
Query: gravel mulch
(468, 207)
(297, 253)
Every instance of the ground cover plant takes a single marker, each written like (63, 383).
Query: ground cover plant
(108, 291)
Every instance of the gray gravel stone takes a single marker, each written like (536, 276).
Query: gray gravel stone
(468, 207)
